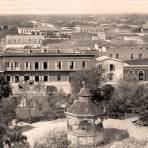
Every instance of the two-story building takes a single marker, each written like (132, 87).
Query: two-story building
(45, 67)
(113, 69)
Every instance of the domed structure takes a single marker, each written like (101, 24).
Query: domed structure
(81, 116)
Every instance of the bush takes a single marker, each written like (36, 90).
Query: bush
(7, 110)
(55, 139)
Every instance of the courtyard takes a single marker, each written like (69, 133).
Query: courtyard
(117, 130)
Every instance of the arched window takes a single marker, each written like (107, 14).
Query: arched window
(84, 125)
(112, 67)
(131, 75)
(141, 75)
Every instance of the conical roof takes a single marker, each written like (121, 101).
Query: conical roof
(84, 92)
(84, 106)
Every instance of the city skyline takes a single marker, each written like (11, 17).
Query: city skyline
(74, 7)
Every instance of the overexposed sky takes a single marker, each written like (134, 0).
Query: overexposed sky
(73, 6)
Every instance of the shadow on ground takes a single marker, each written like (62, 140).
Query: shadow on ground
(113, 135)
(27, 128)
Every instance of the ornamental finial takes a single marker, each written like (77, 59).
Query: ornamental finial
(83, 84)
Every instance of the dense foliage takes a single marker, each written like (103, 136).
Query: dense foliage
(92, 79)
(10, 137)
(5, 88)
(129, 97)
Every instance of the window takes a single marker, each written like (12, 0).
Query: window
(36, 65)
(110, 55)
(45, 78)
(71, 65)
(8, 78)
(100, 67)
(69, 78)
(132, 56)
(83, 64)
(59, 77)
(16, 78)
(11, 66)
(7, 64)
(140, 55)
(26, 78)
(111, 76)
(112, 67)
(117, 56)
(141, 75)
(45, 65)
(27, 65)
(16, 64)
(59, 65)
(131, 74)
(36, 78)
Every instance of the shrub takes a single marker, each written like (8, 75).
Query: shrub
(55, 139)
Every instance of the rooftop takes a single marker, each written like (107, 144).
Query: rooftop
(40, 28)
(84, 106)
(138, 62)
(14, 54)
(103, 58)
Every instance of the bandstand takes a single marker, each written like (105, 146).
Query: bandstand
(82, 117)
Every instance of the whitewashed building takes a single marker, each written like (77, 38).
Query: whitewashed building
(23, 41)
(113, 69)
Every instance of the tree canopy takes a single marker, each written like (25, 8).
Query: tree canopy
(5, 88)
(92, 79)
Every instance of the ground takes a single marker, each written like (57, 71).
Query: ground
(43, 128)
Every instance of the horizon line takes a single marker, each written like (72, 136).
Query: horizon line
(74, 14)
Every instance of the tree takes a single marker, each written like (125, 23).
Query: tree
(12, 136)
(129, 96)
(5, 88)
(92, 78)
(7, 114)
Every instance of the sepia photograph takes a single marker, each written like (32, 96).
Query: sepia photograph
(73, 73)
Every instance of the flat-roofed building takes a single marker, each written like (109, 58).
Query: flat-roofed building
(23, 41)
(45, 67)
(95, 29)
(39, 30)
(121, 51)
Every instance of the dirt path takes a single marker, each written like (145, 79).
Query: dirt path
(43, 128)
(136, 131)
